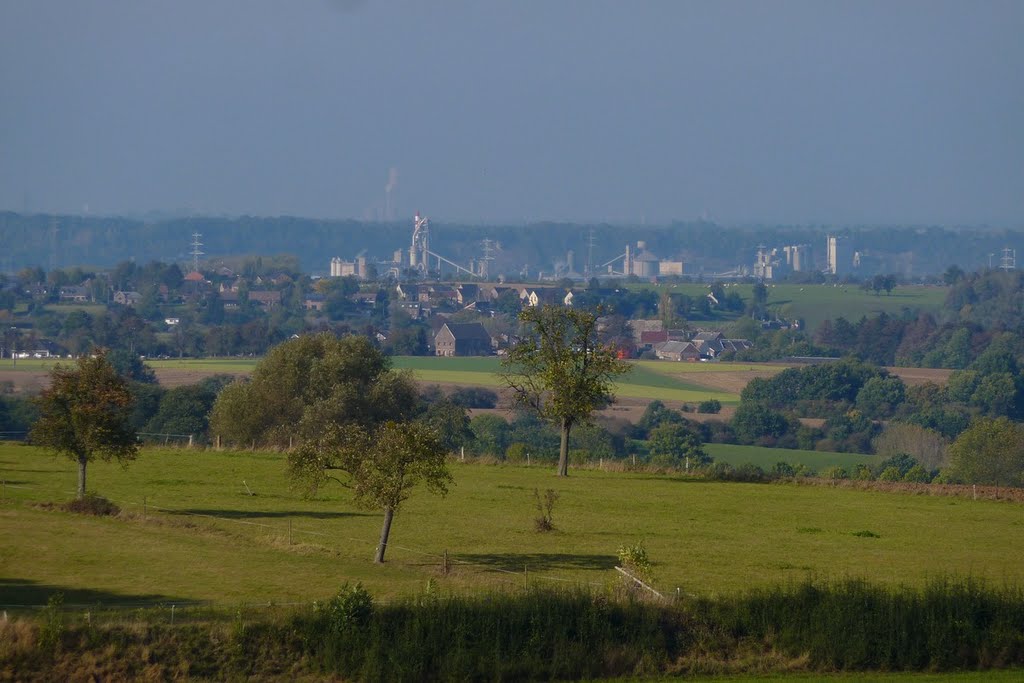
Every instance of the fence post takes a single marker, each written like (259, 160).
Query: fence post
(190, 440)
(445, 565)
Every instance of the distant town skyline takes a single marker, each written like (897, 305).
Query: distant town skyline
(580, 111)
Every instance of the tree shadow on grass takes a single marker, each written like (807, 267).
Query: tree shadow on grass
(536, 562)
(16, 592)
(269, 514)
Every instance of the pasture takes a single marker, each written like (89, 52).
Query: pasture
(225, 528)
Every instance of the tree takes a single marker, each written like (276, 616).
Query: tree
(381, 465)
(674, 445)
(989, 452)
(927, 447)
(84, 415)
(304, 384)
(560, 370)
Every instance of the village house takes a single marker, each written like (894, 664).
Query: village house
(462, 339)
(127, 298)
(677, 351)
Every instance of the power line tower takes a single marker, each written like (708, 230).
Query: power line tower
(485, 262)
(196, 253)
(590, 253)
(53, 243)
(1009, 259)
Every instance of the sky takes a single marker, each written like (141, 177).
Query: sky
(824, 113)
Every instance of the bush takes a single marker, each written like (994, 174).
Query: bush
(634, 557)
(890, 473)
(834, 472)
(917, 474)
(713, 406)
(545, 505)
(92, 505)
(783, 469)
(350, 609)
(474, 397)
(747, 472)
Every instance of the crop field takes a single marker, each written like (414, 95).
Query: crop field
(225, 528)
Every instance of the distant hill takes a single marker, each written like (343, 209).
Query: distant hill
(64, 241)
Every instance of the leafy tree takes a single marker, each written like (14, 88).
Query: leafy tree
(474, 397)
(304, 384)
(880, 396)
(130, 366)
(380, 466)
(450, 422)
(991, 451)
(560, 370)
(674, 445)
(490, 434)
(84, 415)
(753, 421)
(184, 410)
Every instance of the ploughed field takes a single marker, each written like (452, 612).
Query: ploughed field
(224, 528)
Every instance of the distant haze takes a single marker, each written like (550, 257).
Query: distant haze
(526, 110)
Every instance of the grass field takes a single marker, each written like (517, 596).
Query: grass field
(205, 538)
(815, 303)
(765, 458)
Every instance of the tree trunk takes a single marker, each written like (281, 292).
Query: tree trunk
(563, 451)
(82, 462)
(385, 531)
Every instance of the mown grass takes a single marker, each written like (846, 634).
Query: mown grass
(765, 458)
(705, 538)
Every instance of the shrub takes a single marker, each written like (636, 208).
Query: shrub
(92, 505)
(917, 474)
(863, 473)
(545, 506)
(783, 469)
(834, 472)
(747, 472)
(890, 473)
(634, 557)
(474, 397)
(713, 406)
(350, 609)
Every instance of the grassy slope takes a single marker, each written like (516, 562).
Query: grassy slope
(705, 538)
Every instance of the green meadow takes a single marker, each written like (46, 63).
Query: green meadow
(816, 303)
(765, 458)
(647, 379)
(225, 528)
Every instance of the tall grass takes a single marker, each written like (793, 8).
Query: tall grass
(949, 624)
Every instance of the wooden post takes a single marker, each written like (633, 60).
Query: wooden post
(444, 567)
(190, 440)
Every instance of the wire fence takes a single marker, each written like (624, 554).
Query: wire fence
(434, 563)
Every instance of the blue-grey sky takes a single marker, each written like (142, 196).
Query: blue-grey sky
(574, 110)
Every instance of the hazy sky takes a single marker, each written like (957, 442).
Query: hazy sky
(797, 112)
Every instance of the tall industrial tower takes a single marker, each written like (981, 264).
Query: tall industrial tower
(419, 252)
(1009, 259)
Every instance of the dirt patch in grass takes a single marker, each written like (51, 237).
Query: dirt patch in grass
(916, 376)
